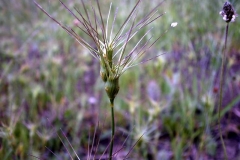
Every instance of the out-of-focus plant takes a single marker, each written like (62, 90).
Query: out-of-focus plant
(229, 15)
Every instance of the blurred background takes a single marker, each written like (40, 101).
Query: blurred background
(51, 91)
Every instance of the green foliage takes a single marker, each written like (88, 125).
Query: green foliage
(48, 81)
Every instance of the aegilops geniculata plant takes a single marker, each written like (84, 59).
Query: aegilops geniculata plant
(110, 48)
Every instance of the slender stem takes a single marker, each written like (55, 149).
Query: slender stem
(221, 92)
(113, 129)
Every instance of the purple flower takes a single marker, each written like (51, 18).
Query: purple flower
(228, 13)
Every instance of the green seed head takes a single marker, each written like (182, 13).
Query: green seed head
(103, 73)
(112, 87)
(110, 55)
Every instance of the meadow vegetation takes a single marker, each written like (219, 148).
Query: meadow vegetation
(51, 90)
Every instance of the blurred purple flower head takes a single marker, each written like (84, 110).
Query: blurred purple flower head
(153, 91)
(228, 13)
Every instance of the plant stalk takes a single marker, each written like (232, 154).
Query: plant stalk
(221, 92)
(113, 128)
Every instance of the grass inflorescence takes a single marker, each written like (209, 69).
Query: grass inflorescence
(110, 48)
